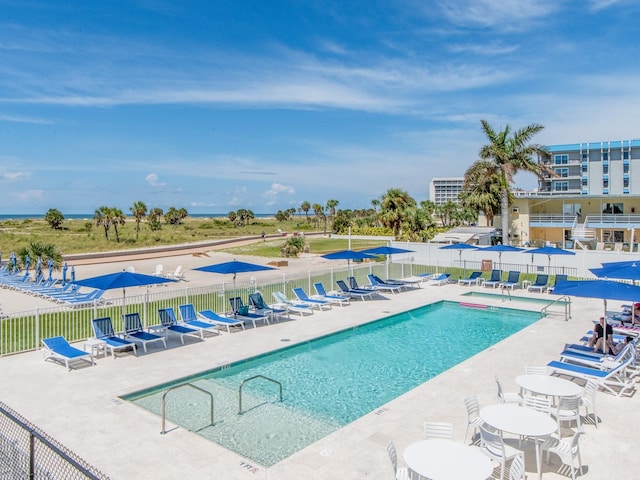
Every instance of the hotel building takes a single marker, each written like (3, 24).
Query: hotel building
(445, 189)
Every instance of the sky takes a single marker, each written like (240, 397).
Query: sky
(213, 106)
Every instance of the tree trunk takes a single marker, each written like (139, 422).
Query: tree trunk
(505, 217)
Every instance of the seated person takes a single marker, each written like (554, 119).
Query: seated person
(626, 315)
(595, 341)
(618, 347)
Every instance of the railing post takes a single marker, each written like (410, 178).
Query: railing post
(36, 330)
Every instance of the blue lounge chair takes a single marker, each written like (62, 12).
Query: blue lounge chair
(377, 285)
(403, 283)
(59, 350)
(512, 281)
(494, 280)
(170, 323)
(354, 293)
(302, 297)
(134, 330)
(239, 309)
(471, 279)
(207, 319)
(556, 279)
(294, 307)
(540, 283)
(615, 380)
(335, 299)
(103, 330)
(257, 302)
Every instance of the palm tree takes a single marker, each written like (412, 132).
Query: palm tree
(306, 206)
(331, 206)
(117, 218)
(511, 153)
(376, 203)
(139, 211)
(102, 216)
(394, 204)
(481, 189)
(317, 210)
(54, 218)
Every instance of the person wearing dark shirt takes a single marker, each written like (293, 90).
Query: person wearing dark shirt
(596, 339)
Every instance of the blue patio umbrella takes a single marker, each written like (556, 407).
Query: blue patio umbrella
(501, 248)
(27, 263)
(604, 289)
(347, 255)
(121, 280)
(38, 267)
(235, 267)
(459, 247)
(50, 265)
(620, 264)
(549, 251)
(73, 273)
(14, 259)
(386, 251)
(625, 272)
(64, 274)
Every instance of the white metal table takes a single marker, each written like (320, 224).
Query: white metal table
(549, 386)
(520, 421)
(439, 459)
(96, 346)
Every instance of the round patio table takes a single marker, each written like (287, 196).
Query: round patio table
(549, 386)
(439, 459)
(520, 421)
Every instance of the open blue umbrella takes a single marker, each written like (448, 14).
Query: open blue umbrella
(386, 250)
(549, 251)
(235, 267)
(50, 265)
(626, 272)
(347, 255)
(460, 247)
(620, 264)
(64, 274)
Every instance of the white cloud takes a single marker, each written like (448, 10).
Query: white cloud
(510, 14)
(277, 189)
(13, 176)
(152, 179)
(597, 5)
(23, 119)
(29, 195)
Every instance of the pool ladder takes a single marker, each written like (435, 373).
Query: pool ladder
(567, 306)
(240, 412)
(180, 386)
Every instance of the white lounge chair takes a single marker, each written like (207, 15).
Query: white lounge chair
(59, 350)
(169, 321)
(614, 381)
(471, 279)
(103, 330)
(207, 320)
(336, 299)
(134, 330)
(303, 298)
(294, 307)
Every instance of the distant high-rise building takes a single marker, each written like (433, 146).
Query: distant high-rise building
(444, 189)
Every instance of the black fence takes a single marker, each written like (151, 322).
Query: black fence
(26, 452)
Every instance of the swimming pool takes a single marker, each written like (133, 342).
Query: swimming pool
(331, 381)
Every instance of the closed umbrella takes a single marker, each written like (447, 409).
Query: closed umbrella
(549, 251)
(27, 264)
(50, 265)
(14, 259)
(73, 273)
(64, 274)
(38, 267)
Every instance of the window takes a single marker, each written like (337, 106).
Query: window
(585, 157)
(625, 168)
(562, 172)
(605, 168)
(561, 186)
(615, 208)
(572, 209)
(625, 182)
(605, 183)
(625, 155)
(585, 168)
(561, 159)
(605, 156)
(585, 181)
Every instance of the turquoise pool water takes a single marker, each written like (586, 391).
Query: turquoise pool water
(329, 382)
(514, 298)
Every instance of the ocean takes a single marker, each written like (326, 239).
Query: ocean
(89, 216)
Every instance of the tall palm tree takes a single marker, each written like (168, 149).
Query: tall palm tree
(139, 211)
(481, 190)
(306, 206)
(317, 211)
(117, 218)
(511, 153)
(102, 216)
(331, 206)
(393, 207)
(376, 203)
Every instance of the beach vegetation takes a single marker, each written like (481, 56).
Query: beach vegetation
(54, 218)
(139, 211)
(154, 217)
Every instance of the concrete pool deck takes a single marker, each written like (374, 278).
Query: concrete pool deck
(82, 410)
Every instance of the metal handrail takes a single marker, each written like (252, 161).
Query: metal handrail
(164, 396)
(253, 378)
(567, 307)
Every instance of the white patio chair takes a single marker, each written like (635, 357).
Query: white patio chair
(535, 370)
(516, 471)
(399, 473)
(158, 271)
(564, 450)
(588, 400)
(438, 430)
(493, 446)
(539, 404)
(510, 397)
(178, 274)
(473, 415)
(568, 409)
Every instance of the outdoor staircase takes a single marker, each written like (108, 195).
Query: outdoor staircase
(583, 236)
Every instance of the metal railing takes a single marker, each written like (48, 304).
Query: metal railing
(255, 377)
(164, 403)
(567, 306)
(26, 452)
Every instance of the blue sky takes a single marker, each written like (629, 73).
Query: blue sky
(262, 104)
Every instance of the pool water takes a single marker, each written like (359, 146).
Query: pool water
(330, 382)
